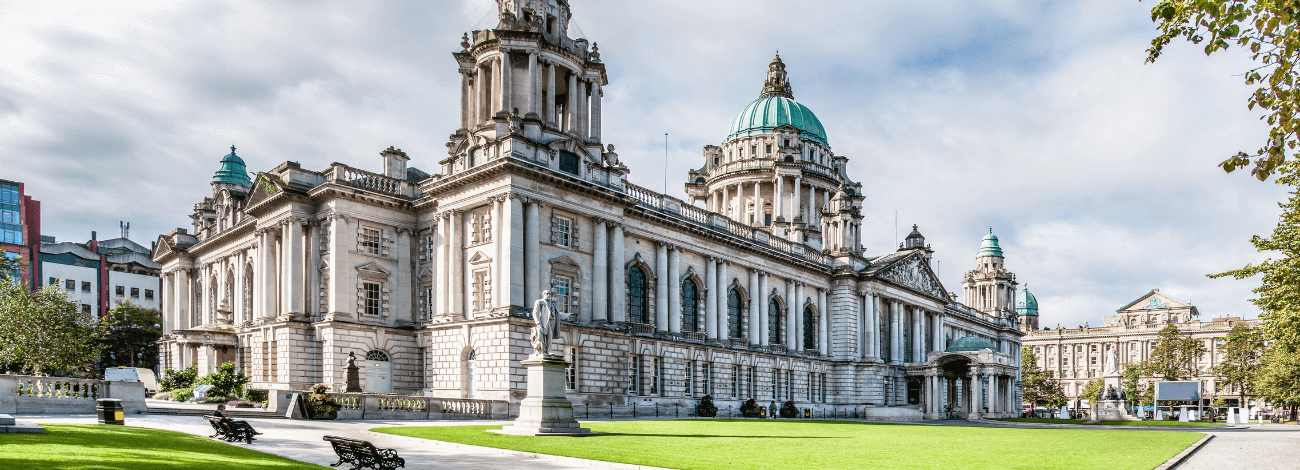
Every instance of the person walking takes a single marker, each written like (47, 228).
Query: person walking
(772, 409)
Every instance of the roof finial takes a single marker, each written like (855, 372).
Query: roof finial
(232, 148)
(990, 229)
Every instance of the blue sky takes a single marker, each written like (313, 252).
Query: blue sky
(1038, 119)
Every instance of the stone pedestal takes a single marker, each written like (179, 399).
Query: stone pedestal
(546, 411)
(353, 377)
(1111, 410)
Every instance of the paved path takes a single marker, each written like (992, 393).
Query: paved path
(1259, 447)
(301, 440)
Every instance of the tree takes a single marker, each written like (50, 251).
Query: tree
(1092, 391)
(1278, 380)
(9, 265)
(131, 334)
(43, 331)
(1270, 30)
(1131, 384)
(1040, 388)
(1174, 356)
(1240, 362)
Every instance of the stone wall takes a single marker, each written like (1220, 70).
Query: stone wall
(21, 394)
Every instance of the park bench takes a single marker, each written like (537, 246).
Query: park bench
(363, 454)
(230, 430)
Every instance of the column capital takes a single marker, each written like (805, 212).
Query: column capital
(597, 220)
(613, 223)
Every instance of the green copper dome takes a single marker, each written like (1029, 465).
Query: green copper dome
(990, 247)
(232, 170)
(1026, 303)
(770, 112)
(970, 343)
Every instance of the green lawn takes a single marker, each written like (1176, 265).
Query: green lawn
(91, 446)
(1107, 423)
(762, 444)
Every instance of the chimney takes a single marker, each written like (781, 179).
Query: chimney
(94, 241)
(394, 163)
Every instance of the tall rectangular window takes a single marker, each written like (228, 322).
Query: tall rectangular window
(655, 374)
(749, 381)
(561, 289)
(821, 379)
(811, 392)
(370, 240)
(266, 361)
(690, 379)
(735, 382)
(634, 375)
(372, 301)
(563, 231)
(706, 378)
(776, 384)
(482, 290)
(789, 392)
(571, 370)
(275, 362)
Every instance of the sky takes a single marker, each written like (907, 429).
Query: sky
(1038, 119)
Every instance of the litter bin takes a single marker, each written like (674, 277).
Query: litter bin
(110, 411)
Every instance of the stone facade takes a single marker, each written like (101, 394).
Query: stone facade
(430, 277)
(1078, 355)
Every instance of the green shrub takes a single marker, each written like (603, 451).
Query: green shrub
(706, 408)
(255, 395)
(749, 409)
(241, 403)
(318, 403)
(214, 399)
(184, 394)
(163, 396)
(788, 410)
(177, 380)
(226, 381)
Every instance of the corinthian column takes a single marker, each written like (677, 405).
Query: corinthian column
(711, 299)
(661, 286)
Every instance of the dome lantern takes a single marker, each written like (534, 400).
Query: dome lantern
(989, 245)
(232, 170)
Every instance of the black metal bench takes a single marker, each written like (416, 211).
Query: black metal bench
(363, 454)
(231, 430)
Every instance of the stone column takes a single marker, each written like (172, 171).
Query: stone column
(725, 205)
(402, 287)
(711, 299)
(290, 245)
(618, 285)
(764, 334)
(482, 92)
(823, 324)
(661, 286)
(778, 197)
(976, 390)
(755, 326)
(918, 335)
(798, 198)
(550, 94)
(721, 320)
(758, 206)
(457, 274)
(674, 291)
(532, 254)
(791, 339)
(440, 266)
(571, 108)
(938, 333)
(532, 81)
(465, 91)
(896, 333)
(499, 94)
(993, 395)
(512, 262)
(182, 298)
(583, 98)
(596, 95)
(500, 254)
(600, 269)
(270, 275)
(166, 304)
(873, 327)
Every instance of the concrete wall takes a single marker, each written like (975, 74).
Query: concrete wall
(20, 394)
(142, 282)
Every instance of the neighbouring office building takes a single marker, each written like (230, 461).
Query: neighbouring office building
(101, 274)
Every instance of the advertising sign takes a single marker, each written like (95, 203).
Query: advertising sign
(1178, 390)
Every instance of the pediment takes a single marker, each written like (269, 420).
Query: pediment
(1153, 300)
(913, 272)
(162, 247)
(372, 269)
(564, 261)
(264, 187)
(479, 258)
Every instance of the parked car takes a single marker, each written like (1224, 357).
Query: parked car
(133, 374)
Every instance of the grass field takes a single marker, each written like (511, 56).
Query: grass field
(91, 446)
(1108, 423)
(760, 444)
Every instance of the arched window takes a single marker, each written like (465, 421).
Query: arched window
(734, 304)
(636, 306)
(375, 355)
(774, 321)
(809, 328)
(690, 307)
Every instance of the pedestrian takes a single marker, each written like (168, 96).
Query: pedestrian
(771, 409)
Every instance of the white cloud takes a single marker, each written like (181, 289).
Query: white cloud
(1039, 119)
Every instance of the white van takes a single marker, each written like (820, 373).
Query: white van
(133, 374)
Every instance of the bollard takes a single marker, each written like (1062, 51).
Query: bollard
(634, 410)
(588, 410)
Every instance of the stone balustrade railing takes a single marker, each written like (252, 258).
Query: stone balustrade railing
(691, 214)
(346, 175)
(377, 406)
(24, 394)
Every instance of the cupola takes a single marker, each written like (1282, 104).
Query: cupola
(989, 245)
(232, 170)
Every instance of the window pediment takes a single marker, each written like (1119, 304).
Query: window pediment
(373, 270)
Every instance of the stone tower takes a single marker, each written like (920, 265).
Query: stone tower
(529, 89)
(1027, 310)
(990, 288)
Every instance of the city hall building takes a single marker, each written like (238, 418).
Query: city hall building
(755, 285)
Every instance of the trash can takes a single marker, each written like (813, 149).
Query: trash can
(110, 411)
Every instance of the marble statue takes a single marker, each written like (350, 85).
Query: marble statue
(546, 320)
(1113, 366)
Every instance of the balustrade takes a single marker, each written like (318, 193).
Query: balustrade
(59, 387)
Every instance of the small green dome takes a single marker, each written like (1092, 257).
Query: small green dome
(232, 170)
(989, 246)
(970, 343)
(770, 112)
(1026, 303)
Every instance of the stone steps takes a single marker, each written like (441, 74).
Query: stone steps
(9, 425)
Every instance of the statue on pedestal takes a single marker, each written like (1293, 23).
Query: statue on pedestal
(352, 375)
(546, 320)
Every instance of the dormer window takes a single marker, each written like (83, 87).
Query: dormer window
(568, 162)
(550, 24)
(753, 150)
(787, 143)
(769, 148)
